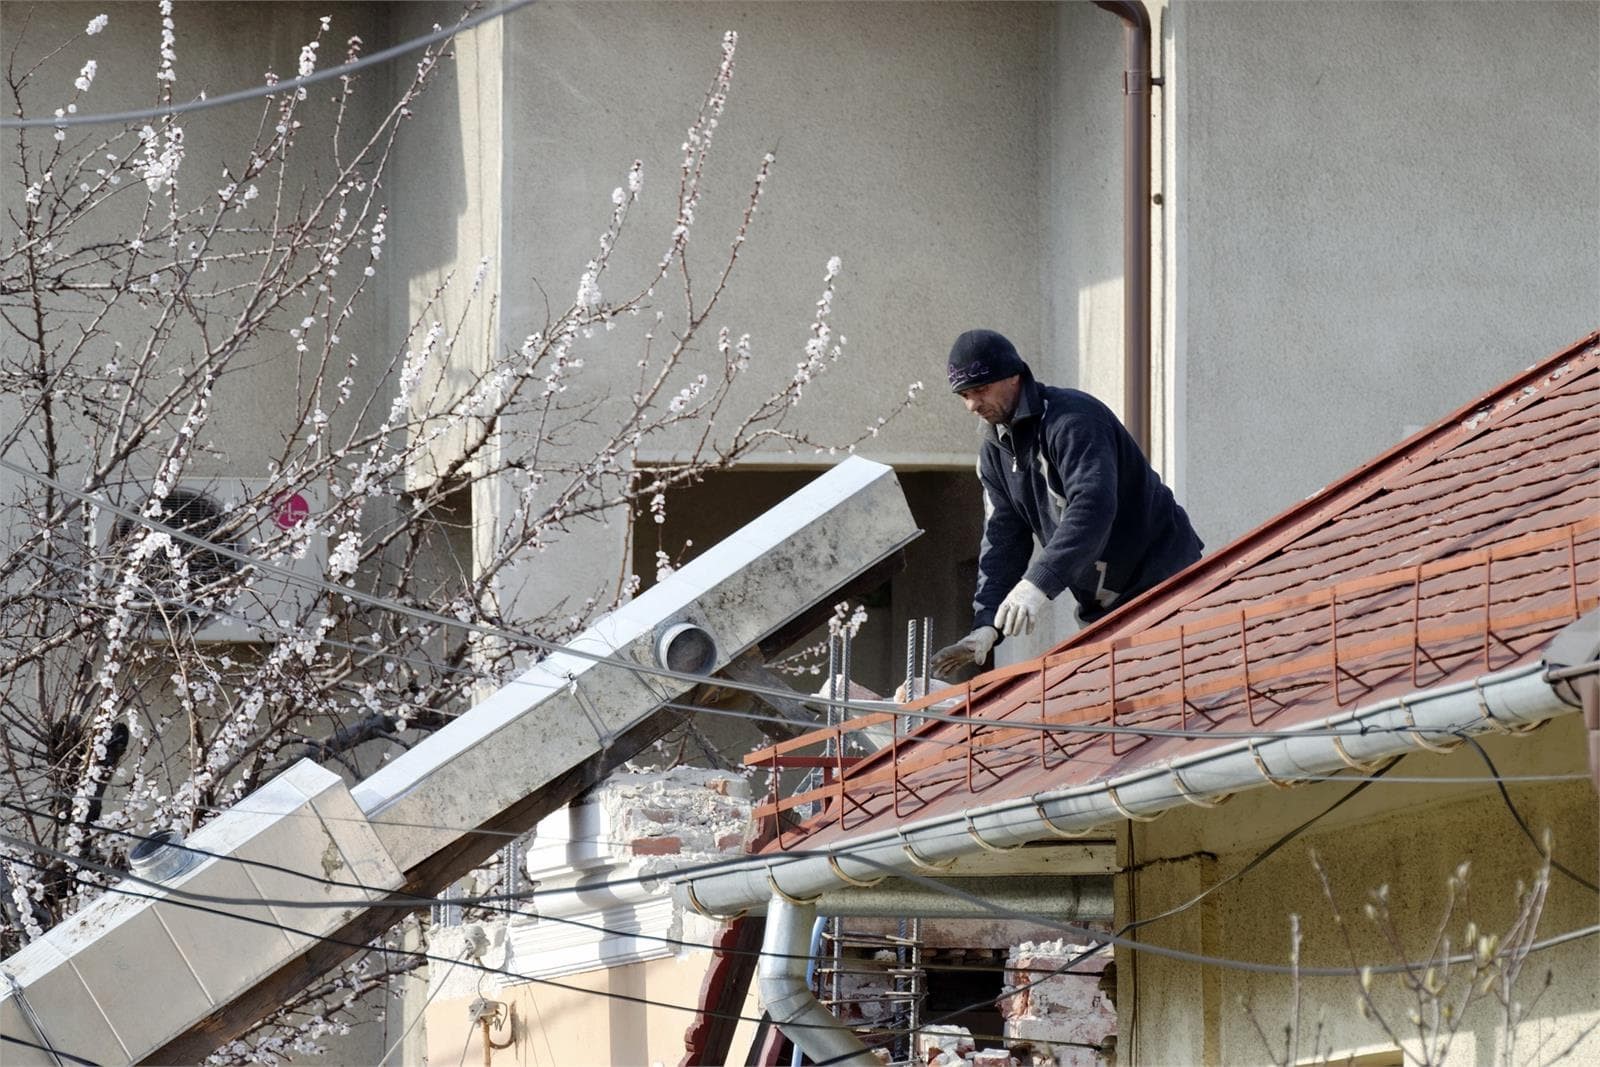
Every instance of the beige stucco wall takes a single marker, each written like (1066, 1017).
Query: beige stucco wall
(578, 1020)
(1382, 211)
(1409, 837)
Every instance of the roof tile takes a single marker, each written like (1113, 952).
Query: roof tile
(1379, 585)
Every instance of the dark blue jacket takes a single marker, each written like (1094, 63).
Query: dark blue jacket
(1068, 473)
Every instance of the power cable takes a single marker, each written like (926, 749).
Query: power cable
(413, 953)
(1523, 823)
(55, 1052)
(344, 70)
(954, 824)
(1202, 959)
(498, 903)
(1262, 856)
(644, 670)
(174, 897)
(1276, 845)
(181, 896)
(1257, 860)
(1197, 958)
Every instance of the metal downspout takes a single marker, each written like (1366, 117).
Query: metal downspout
(781, 979)
(811, 976)
(1136, 83)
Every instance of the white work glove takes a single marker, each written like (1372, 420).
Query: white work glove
(1019, 611)
(973, 648)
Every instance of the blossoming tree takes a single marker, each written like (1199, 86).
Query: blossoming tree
(143, 299)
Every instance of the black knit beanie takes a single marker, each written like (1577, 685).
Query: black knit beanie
(982, 356)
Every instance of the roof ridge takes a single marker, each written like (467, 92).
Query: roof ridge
(1209, 572)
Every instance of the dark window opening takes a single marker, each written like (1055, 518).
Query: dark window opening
(937, 582)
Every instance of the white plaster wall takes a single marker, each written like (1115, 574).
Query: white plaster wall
(905, 138)
(906, 142)
(1385, 209)
(589, 1019)
(220, 47)
(446, 203)
(1408, 836)
(1081, 262)
(1081, 126)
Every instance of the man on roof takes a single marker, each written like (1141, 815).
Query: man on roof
(1057, 467)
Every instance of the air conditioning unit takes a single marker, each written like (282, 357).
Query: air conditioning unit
(223, 599)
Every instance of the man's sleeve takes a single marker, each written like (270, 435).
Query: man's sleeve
(1083, 452)
(1007, 544)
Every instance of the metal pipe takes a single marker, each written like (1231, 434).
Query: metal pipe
(927, 655)
(1375, 732)
(1135, 216)
(785, 996)
(1572, 663)
(911, 660)
(811, 978)
(1084, 898)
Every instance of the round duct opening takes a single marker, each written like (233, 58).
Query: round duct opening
(161, 856)
(687, 649)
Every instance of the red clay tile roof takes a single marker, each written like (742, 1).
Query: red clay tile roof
(1459, 552)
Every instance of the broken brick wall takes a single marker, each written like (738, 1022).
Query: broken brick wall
(1062, 1018)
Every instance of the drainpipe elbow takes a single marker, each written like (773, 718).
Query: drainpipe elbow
(787, 998)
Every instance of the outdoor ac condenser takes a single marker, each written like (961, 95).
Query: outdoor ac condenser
(223, 599)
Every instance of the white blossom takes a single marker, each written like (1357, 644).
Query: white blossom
(589, 287)
(86, 76)
(169, 42)
(96, 24)
(345, 557)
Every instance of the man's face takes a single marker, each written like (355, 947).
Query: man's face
(994, 402)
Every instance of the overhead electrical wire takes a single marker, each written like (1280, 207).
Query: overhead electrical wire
(1255, 861)
(1101, 939)
(486, 969)
(496, 903)
(175, 898)
(645, 670)
(1522, 823)
(179, 895)
(177, 901)
(51, 1049)
(953, 825)
(287, 85)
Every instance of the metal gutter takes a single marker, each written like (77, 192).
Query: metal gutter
(1085, 898)
(1432, 719)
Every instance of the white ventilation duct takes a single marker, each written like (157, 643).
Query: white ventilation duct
(139, 978)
